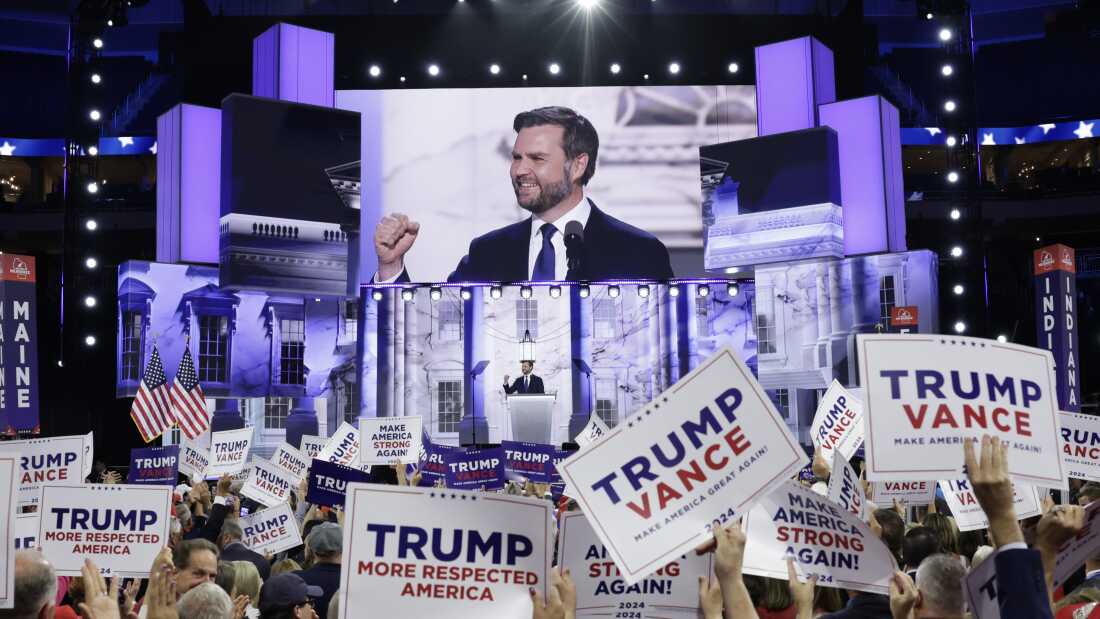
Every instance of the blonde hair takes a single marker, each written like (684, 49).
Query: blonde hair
(285, 565)
(246, 581)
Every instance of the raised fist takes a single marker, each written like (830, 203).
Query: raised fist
(393, 236)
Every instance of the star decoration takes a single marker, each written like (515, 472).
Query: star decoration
(153, 148)
(123, 142)
(932, 130)
(1021, 140)
(987, 140)
(1084, 130)
(7, 149)
(1047, 127)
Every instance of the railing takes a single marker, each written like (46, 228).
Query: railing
(125, 113)
(910, 105)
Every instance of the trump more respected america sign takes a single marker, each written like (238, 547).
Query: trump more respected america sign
(446, 554)
(695, 458)
(927, 394)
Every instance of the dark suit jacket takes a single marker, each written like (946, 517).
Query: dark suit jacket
(863, 606)
(212, 527)
(240, 552)
(1021, 589)
(327, 577)
(536, 386)
(612, 250)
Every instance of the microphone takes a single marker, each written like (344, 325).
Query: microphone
(574, 245)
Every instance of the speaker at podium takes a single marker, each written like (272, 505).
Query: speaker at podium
(531, 415)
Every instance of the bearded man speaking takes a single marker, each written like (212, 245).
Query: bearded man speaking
(553, 159)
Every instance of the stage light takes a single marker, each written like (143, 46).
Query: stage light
(958, 289)
(646, 76)
(93, 151)
(555, 292)
(674, 291)
(733, 67)
(93, 187)
(433, 70)
(110, 22)
(1002, 338)
(494, 69)
(89, 301)
(613, 292)
(525, 77)
(96, 78)
(949, 105)
(94, 114)
(465, 294)
(584, 291)
(407, 294)
(376, 294)
(91, 224)
(732, 290)
(436, 293)
(374, 70)
(402, 79)
(643, 291)
(952, 141)
(1036, 239)
(945, 34)
(960, 327)
(554, 68)
(587, 4)
(89, 340)
(952, 177)
(495, 292)
(526, 292)
(674, 68)
(956, 251)
(90, 263)
(947, 70)
(703, 290)
(955, 214)
(97, 43)
(60, 363)
(615, 68)
(928, 16)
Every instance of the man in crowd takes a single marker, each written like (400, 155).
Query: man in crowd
(219, 508)
(35, 587)
(938, 593)
(205, 601)
(233, 548)
(287, 596)
(196, 562)
(326, 542)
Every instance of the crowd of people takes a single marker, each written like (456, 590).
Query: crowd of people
(207, 572)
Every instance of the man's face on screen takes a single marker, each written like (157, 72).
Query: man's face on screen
(540, 171)
(525, 368)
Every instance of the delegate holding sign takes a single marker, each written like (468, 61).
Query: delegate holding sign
(926, 394)
(601, 590)
(696, 457)
(42, 461)
(121, 527)
(969, 515)
(268, 484)
(343, 446)
(294, 462)
(423, 552)
(838, 423)
(271, 530)
(229, 451)
(386, 439)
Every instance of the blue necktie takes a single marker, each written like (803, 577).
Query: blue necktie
(544, 263)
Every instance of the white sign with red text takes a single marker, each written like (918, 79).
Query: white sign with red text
(969, 515)
(312, 446)
(838, 423)
(1081, 445)
(291, 460)
(386, 439)
(445, 554)
(845, 489)
(120, 527)
(271, 530)
(9, 496)
(698, 456)
(229, 451)
(927, 394)
(342, 447)
(43, 461)
(601, 590)
(194, 460)
(884, 493)
(268, 484)
(821, 536)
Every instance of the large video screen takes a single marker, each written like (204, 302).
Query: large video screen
(454, 188)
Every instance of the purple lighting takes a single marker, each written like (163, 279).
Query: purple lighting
(792, 79)
(188, 184)
(294, 64)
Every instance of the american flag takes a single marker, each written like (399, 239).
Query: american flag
(152, 411)
(188, 403)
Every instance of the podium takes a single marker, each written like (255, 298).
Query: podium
(531, 416)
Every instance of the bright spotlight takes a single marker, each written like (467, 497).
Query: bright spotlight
(643, 291)
(952, 177)
(90, 263)
(89, 340)
(949, 105)
(584, 291)
(97, 43)
(945, 34)
(955, 214)
(93, 187)
(89, 301)
(928, 16)
(587, 5)
(960, 327)
(433, 70)
(494, 69)
(374, 70)
(947, 70)
(952, 141)
(615, 68)
(956, 251)
(674, 291)
(465, 294)
(554, 68)
(407, 294)
(96, 78)
(674, 68)
(93, 151)
(91, 224)
(376, 294)
(646, 76)
(958, 289)
(733, 67)
(436, 293)
(732, 290)
(703, 290)
(1002, 338)
(94, 114)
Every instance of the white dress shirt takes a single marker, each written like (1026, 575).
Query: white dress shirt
(578, 213)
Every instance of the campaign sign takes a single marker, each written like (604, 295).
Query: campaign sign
(312, 446)
(229, 451)
(601, 590)
(328, 482)
(19, 386)
(433, 461)
(386, 439)
(926, 394)
(194, 460)
(1081, 445)
(981, 591)
(594, 431)
(474, 469)
(268, 484)
(121, 527)
(1056, 318)
(915, 492)
(290, 460)
(9, 488)
(531, 461)
(1085, 545)
(557, 484)
(695, 458)
(426, 552)
(821, 536)
(845, 489)
(969, 515)
(42, 461)
(271, 530)
(838, 423)
(343, 446)
(154, 465)
(25, 531)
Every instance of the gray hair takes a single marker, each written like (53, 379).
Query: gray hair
(35, 585)
(183, 514)
(233, 530)
(205, 601)
(940, 581)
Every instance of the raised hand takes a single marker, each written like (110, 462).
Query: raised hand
(801, 592)
(820, 466)
(506, 377)
(100, 600)
(562, 580)
(988, 476)
(903, 595)
(393, 236)
(160, 596)
(710, 598)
